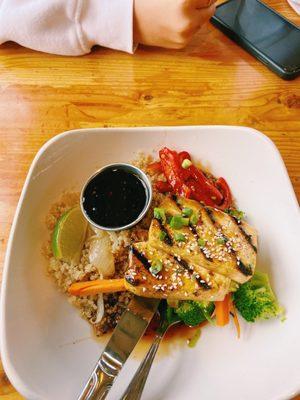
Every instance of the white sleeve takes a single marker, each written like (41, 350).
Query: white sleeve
(67, 27)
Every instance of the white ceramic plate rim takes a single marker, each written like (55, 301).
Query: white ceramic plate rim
(13, 376)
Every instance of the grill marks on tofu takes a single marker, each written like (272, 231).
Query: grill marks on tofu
(241, 243)
(175, 247)
(215, 247)
(167, 239)
(229, 247)
(178, 279)
(189, 248)
(201, 264)
(250, 234)
(194, 230)
(141, 257)
(206, 285)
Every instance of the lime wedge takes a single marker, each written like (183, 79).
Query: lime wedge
(68, 236)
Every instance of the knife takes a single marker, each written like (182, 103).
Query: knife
(125, 336)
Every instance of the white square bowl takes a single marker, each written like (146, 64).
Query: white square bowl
(48, 350)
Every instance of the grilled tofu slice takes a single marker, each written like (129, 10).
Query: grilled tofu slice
(177, 280)
(251, 234)
(241, 243)
(224, 247)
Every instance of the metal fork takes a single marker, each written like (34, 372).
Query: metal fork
(135, 388)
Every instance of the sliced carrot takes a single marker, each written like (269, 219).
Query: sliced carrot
(90, 288)
(235, 318)
(222, 309)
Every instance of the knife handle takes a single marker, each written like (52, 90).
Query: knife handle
(101, 380)
(97, 387)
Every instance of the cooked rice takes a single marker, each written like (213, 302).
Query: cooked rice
(64, 274)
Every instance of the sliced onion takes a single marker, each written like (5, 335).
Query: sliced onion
(100, 309)
(100, 254)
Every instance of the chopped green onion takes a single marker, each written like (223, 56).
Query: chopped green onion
(156, 267)
(194, 340)
(238, 214)
(179, 237)
(186, 163)
(159, 213)
(162, 235)
(194, 219)
(187, 212)
(169, 217)
(201, 242)
(185, 221)
(177, 222)
(221, 240)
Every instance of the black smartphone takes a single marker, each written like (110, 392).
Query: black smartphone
(262, 32)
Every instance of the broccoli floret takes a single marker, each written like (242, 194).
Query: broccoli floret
(192, 313)
(256, 300)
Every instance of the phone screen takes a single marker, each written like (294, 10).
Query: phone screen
(273, 36)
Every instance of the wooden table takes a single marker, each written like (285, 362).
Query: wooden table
(212, 81)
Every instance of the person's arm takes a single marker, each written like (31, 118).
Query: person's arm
(68, 27)
(73, 27)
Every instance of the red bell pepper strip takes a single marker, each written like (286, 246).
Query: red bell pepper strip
(155, 168)
(222, 185)
(204, 190)
(163, 187)
(184, 155)
(198, 194)
(173, 172)
(205, 187)
(191, 182)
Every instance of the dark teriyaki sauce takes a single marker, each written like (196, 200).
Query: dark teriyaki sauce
(114, 198)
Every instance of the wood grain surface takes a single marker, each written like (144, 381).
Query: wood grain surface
(212, 81)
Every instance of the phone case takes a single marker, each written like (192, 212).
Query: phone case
(285, 73)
